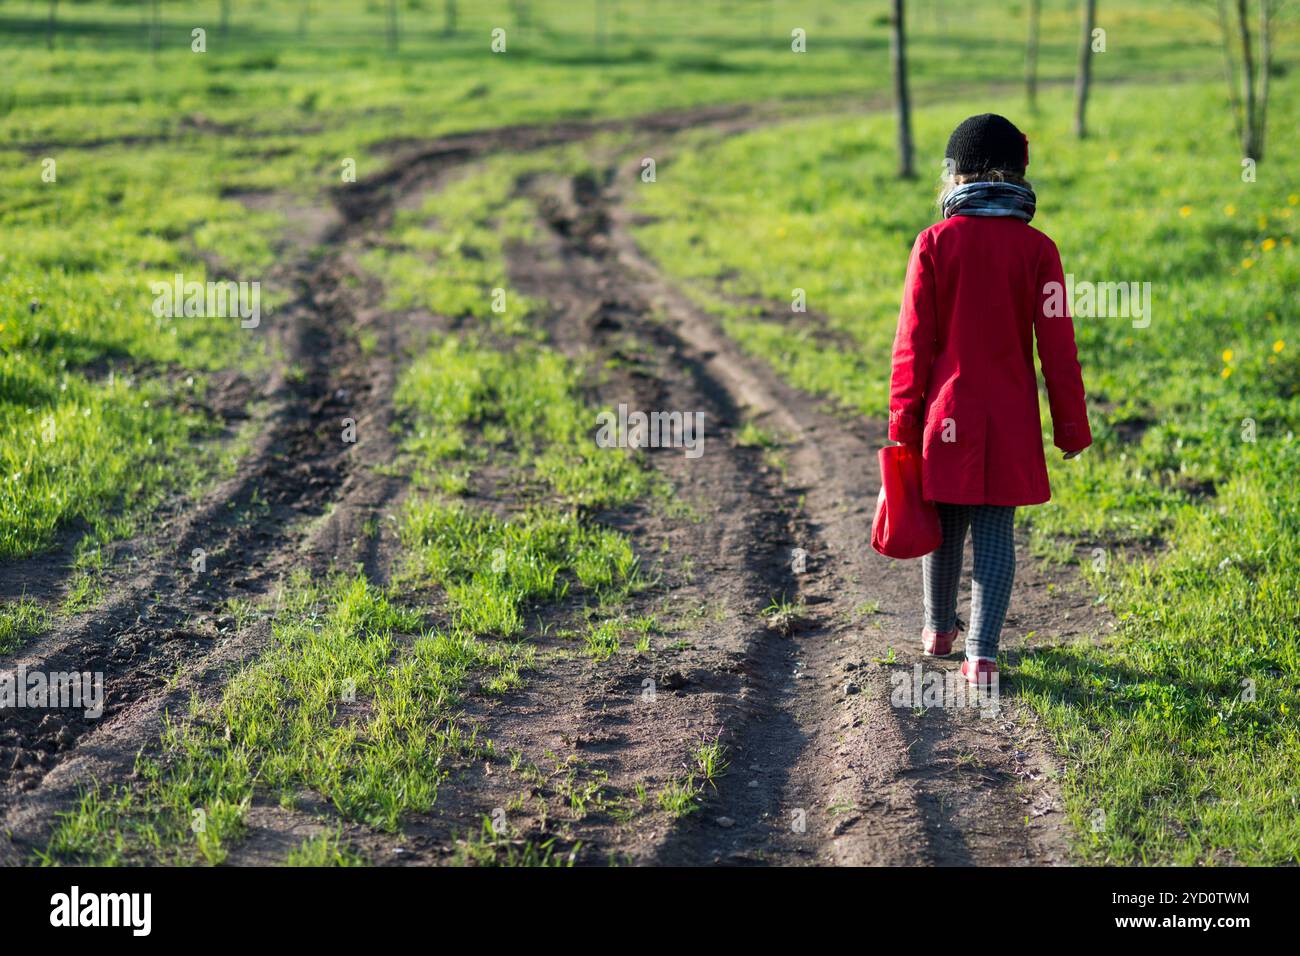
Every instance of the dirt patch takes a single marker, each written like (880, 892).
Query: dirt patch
(372, 200)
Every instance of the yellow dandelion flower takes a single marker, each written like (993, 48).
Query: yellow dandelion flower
(1112, 157)
(1263, 222)
(1286, 240)
(1293, 199)
(1247, 263)
(1226, 372)
(1227, 355)
(1230, 210)
(1279, 345)
(780, 231)
(1268, 245)
(1185, 211)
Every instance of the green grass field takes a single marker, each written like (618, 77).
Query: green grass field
(122, 165)
(147, 145)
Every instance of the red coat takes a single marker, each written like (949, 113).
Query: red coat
(963, 384)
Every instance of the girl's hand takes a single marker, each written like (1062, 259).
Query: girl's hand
(1072, 454)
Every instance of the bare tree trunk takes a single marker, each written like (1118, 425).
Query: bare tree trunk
(49, 31)
(1083, 81)
(1265, 62)
(225, 17)
(1247, 79)
(600, 24)
(304, 17)
(155, 26)
(449, 17)
(1230, 69)
(1248, 144)
(1031, 55)
(393, 36)
(898, 54)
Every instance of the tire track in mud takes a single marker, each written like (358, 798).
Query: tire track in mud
(869, 783)
(779, 801)
(300, 500)
(735, 667)
(297, 501)
(979, 788)
(372, 201)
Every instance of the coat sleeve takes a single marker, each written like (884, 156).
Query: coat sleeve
(915, 345)
(1059, 356)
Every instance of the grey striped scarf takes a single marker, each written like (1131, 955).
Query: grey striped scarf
(990, 199)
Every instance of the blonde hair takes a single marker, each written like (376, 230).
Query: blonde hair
(950, 180)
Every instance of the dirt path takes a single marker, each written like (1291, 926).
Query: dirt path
(816, 743)
(823, 768)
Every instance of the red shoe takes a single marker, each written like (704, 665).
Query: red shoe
(980, 672)
(938, 643)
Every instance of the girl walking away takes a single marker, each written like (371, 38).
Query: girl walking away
(979, 292)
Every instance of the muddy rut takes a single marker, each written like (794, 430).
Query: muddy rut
(823, 769)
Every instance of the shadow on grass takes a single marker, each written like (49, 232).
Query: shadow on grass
(1100, 690)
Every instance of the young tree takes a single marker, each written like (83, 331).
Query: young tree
(1031, 55)
(155, 25)
(393, 36)
(449, 17)
(1266, 10)
(1083, 81)
(49, 30)
(1248, 80)
(225, 16)
(903, 104)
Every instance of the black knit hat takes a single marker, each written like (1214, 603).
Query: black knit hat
(985, 142)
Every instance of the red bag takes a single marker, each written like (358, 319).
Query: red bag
(906, 525)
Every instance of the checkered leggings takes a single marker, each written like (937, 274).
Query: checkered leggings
(995, 568)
